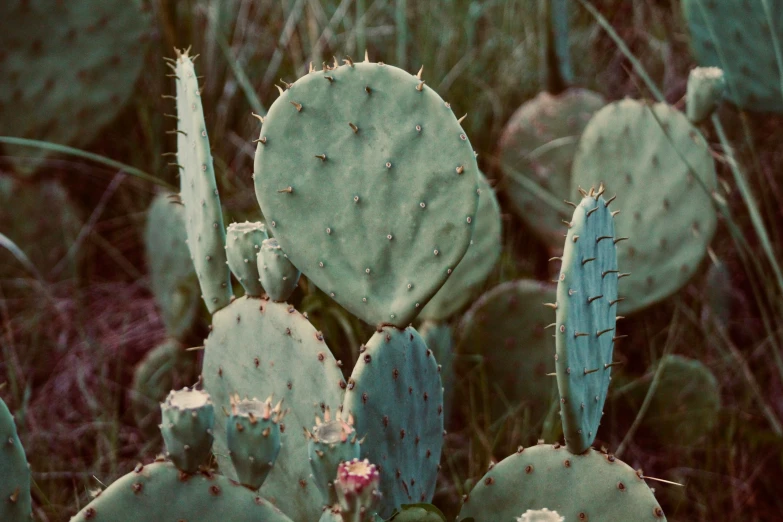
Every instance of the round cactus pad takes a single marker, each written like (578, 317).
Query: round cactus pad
(258, 349)
(592, 487)
(395, 395)
(585, 320)
(368, 181)
(661, 168)
(160, 491)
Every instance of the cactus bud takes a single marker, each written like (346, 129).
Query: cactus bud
(706, 86)
(356, 487)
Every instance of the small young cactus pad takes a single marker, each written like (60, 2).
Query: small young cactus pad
(253, 439)
(706, 86)
(475, 267)
(395, 395)
(660, 166)
(585, 323)
(15, 501)
(369, 183)
(259, 348)
(188, 417)
(158, 492)
(198, 190)
(537, 148)
(742, 38)
(243, 243)
(593, 486)
(68, 68)
(173, 280)
(276, 272)
(331, 442)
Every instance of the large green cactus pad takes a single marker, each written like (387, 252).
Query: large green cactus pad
(585, 320)
(740, 37)
(67, 68)
(396, 397)
(661, 168)
(159, 491)
(592, 486)
(172, 278)
(475, 267)
(368, 182)
(258, 348)
(507, 328)
(537, 147)
(15, 501)
(198, 190)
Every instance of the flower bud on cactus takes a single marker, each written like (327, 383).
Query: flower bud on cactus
(278, 276)
(188, 417)
(706, 86)
(253, 438)
(540, 515)
(331, 442)
(356, 487)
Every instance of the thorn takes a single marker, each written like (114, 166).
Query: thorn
(311, 69)
(553, 306)
(599, 239)
(418, 74)
(582, 191)
(354, 127)
(584, 262)
(321, 157)
(297, 105)
(569, 203)
(194, 349)
(171, 60)
(588, 372)
(177, 131)
(603, 274)
(550, 325)
(288, 190)
(168, 96)
(169, 154)
(420, 87)
(615, 213)
(172, 76)
(171, 116)
(664, 481)
(567, 223)
(616, 337)
(555, 259)
(580, 334)
(280, 89)
(176, 165)
(591, 211)
(367, 89)
(591, 299)
(619, 239)
(600, 333)
(193, 58)
(608, 201)
(330, 78)
(616, 301)
(626, 274)
(260, 118)
(348, 60)
(460, 169)
(366, 56)
(611, 364)
(551, 374)
(619, 317)
(600, 192)
(261, 140)
(462, 119)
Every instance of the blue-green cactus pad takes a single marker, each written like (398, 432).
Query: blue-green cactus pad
(243, 243)
(396, 397)
(376, 215)
(259, 348)
(439, 338)
(585, 320)
(253, 440)
(187, 419)
(594, 487)
(15, 501)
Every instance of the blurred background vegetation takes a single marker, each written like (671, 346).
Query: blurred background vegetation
(76, 323)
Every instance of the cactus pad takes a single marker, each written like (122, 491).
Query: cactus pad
(475, 267)
(439, 338)
(706, 86)
(395, 395)
(198, 190)
(740, 38)
(243, 243)
(642, 153)
(253, 439)
(258, 348)
(507, 328)
(592, 486)
(68, 68)
(276, 272)
(172, 278)
(331, 442)
(585, 320)
(15, 501)
(369, 182)
(537, 147)
(186, 425)
(159, 492)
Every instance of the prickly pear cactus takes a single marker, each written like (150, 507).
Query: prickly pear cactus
(507, 328)
(68, 68)
(166, 367)
(590, 486)
(356, 486)
(198, 190)
(243, 243)
(585, 323)
(259, 348)
(368, 181)
(740, 38)
(396, 396)
(159, 491)
(661, 168)
(331, 442)
(706, 86)
(172, 279)
(253, 439)
(15, 501)
(475, 267)
(45, 241)
(276, 272)
(536, 151)
(187, 419)
(439, 338)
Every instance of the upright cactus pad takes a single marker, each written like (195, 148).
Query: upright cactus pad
(507, 328)
(331, 442)
(159, 492)
(172, 278)
(15, 501)
(253, 439)
(276, 272)
(586, 319)
(537, 148)
(661, 168)
(369, 183)
(740, 38)
(68, 68)
(396, 397)
(475, 267)
(186, 425)
(243, 243)
(198, 190)
(593, 486)
(258, 348)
